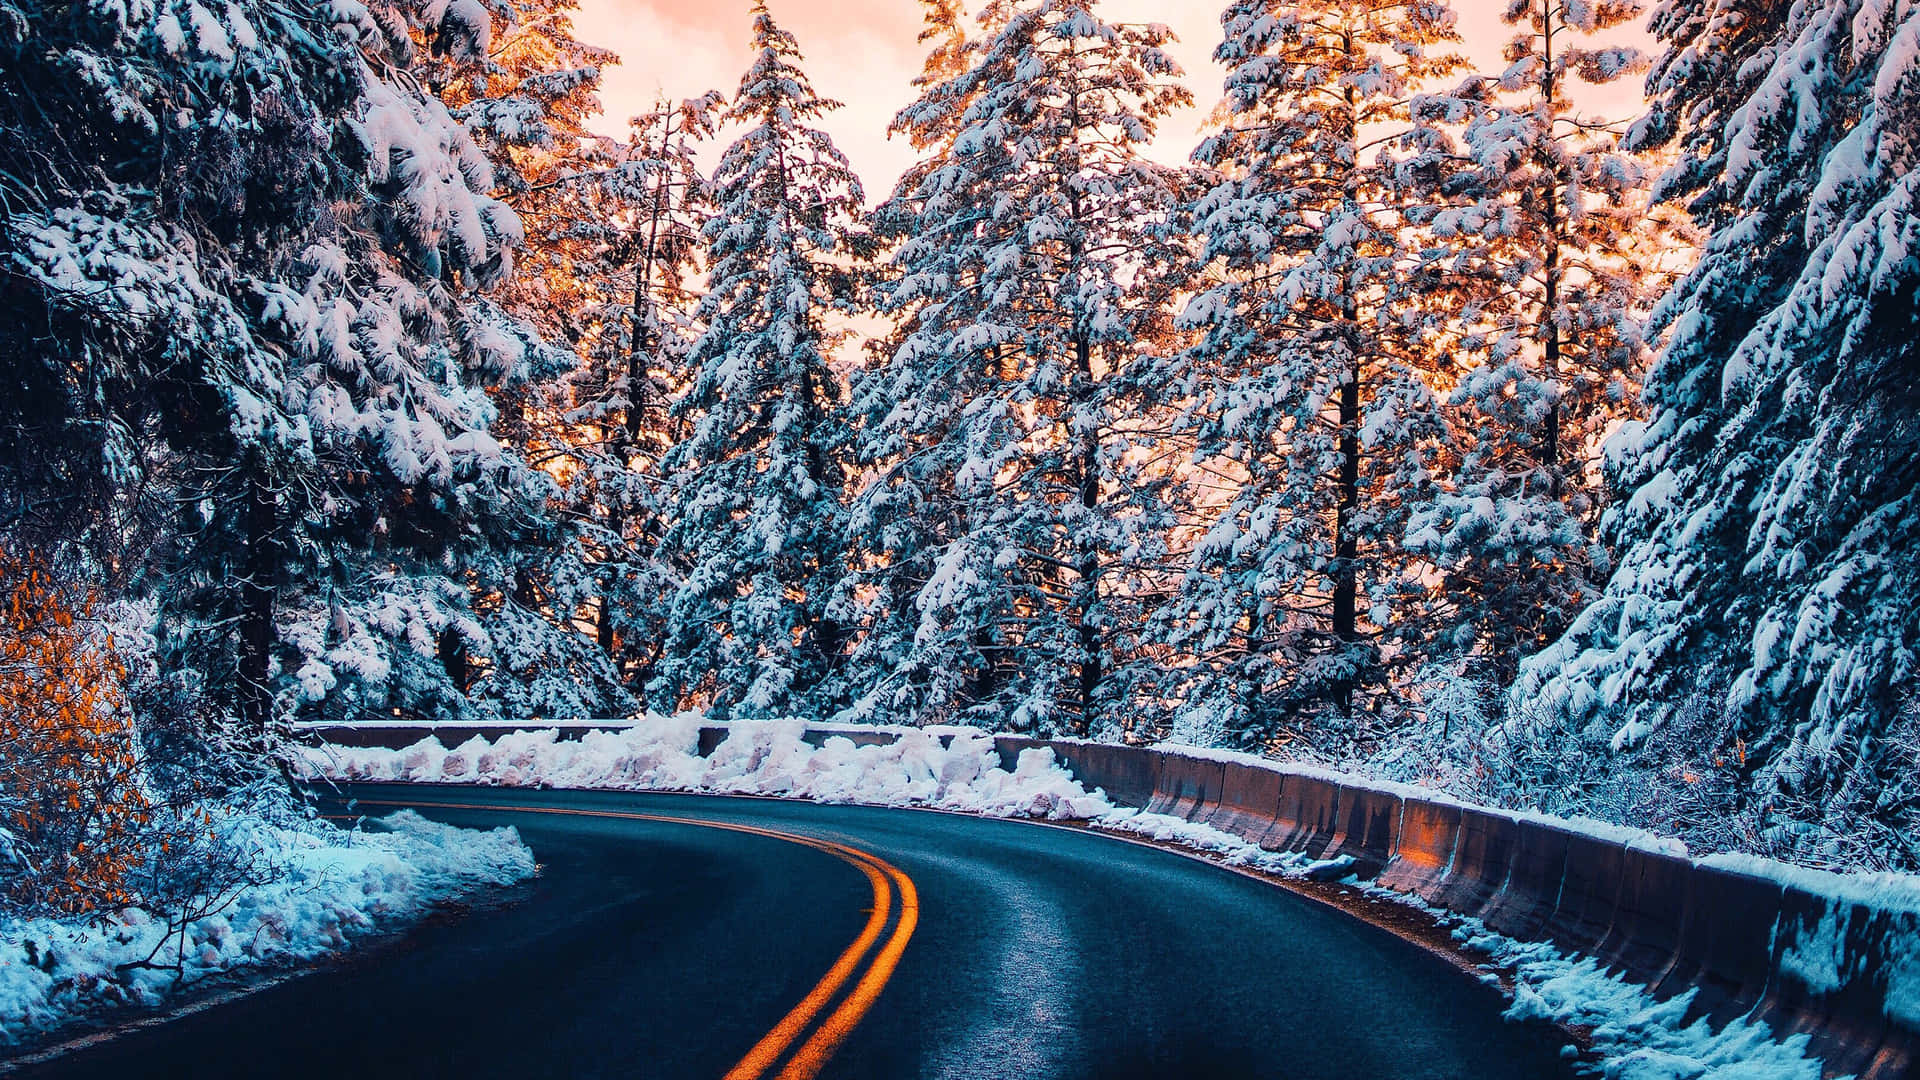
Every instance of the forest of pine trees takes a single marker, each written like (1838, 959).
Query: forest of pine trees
(1422, 423)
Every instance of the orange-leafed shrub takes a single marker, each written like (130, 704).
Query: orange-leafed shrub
(71, 807)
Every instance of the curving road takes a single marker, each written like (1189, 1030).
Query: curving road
(653, 948)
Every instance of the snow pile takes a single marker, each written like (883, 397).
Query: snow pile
(944, 768)
(1636, 1036)
(324, 888)
(1227, 848)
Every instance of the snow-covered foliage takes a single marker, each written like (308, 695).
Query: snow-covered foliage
(1539, 232)
(314, 891)
(755, 525)
(1007, 495)
(631, 249)
(243, 259)
(1312, 380)
(1766, 539)
(613, 231)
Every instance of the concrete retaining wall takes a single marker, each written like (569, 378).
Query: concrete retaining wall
(1742, 940)
(1844, 971)
(394, 735)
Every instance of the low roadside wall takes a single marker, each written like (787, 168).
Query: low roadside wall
(396, 734)
(1840, 964)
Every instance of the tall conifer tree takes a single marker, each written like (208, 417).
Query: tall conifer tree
(256, 257)
(1310, 384)
(1764, 596)
(1543, 251)
(1035, 262)
(757, 515)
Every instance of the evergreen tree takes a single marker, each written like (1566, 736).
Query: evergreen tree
(1767, 571)
(1310, 383)
(1036, 258)
(612, 237)
(756, 519)
(947, 57)
(641, 229)
(243, 285)
(1540, 243)
(526, 102)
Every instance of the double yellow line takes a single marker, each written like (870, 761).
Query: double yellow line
(891, 888)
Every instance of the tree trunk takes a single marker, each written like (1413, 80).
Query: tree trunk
(258, 592)
(1087, 454)
(1549, 89)
(603, 634)
(1551, 452)
(1346, 547)
(1092, 659)
(455, 660)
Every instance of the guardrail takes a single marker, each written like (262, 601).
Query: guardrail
(1841, 965)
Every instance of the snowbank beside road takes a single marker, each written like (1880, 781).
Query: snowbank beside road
(325, 888)
(917, 769)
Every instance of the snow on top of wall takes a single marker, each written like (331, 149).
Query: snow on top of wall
(757, 758)
(1881, 891)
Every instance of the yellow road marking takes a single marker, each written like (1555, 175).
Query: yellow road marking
(826, 1039)
(885, 879)
(775, 1043)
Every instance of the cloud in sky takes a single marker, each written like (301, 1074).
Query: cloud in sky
(863, 53)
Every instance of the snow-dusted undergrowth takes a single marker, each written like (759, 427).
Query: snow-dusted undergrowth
(1634, 1036)
(329, 887)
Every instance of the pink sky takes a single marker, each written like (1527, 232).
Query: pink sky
(863, 53)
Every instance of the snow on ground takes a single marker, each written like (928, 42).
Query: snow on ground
(1634, 1036)
(757, 759)
(328, 888)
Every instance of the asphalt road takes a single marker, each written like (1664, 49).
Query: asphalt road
(654, 949)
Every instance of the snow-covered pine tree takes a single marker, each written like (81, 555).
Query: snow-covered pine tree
(1768, 564)
(930, 123)
(641, 248)
(242, 246)
(755, 526)
(1036, 258)
(1540, 247)
(947, 57)
(526, 101)
(1309, 382)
